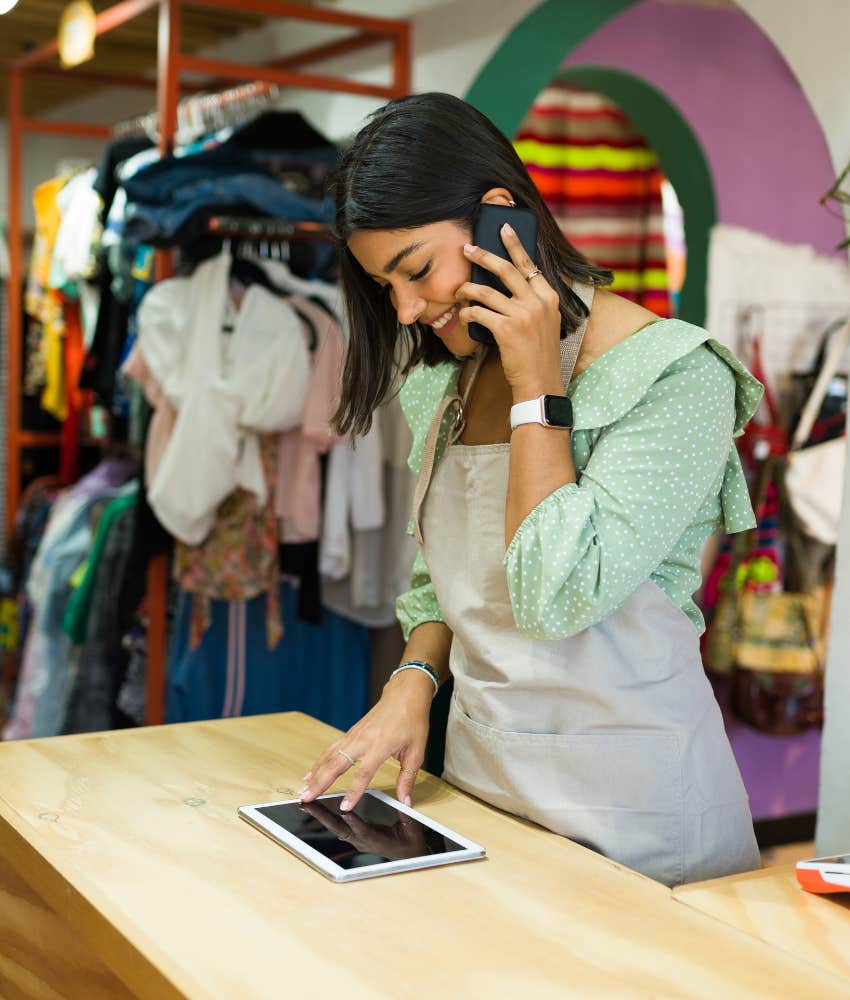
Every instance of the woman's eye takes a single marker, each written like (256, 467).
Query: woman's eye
(422, 273)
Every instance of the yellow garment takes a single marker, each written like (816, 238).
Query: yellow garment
(47, 219)
(43, 303)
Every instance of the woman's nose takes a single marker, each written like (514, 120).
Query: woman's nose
(409, 308)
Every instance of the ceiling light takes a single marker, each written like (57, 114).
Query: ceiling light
(7, 5)
(77, 32)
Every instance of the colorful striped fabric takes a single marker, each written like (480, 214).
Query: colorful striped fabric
(603, 185)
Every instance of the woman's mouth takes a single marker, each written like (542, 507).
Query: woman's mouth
(447, 322)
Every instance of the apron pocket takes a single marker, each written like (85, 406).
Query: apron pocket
(618, 793)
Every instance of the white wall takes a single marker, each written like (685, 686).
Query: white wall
(815, 46)
(40, 156)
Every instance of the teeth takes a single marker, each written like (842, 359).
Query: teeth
(438, 324)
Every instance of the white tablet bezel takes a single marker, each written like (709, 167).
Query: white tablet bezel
(470, 851)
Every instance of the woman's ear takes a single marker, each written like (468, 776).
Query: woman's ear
(498, 196)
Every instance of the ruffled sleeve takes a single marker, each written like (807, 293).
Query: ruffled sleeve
(419, 397)
(664, 410)
(419, 604)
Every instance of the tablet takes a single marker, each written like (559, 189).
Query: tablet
(380, 836)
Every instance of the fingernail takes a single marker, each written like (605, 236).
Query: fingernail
(469, 248)
(507, 228)
(407, 800)
(304, 790)
(345, 805)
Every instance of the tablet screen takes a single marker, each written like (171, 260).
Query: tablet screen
(373, 833)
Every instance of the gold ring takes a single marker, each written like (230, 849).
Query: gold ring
(348, 757)
(408, 770)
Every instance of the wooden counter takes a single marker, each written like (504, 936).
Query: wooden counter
(770, 905)
(126, 871)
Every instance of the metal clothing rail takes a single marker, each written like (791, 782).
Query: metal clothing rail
(172, 63)
(252, 228)
(204, 113)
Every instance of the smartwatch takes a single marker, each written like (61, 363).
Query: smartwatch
(551, 411)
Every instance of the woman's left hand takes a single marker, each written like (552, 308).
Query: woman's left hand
(527, 327)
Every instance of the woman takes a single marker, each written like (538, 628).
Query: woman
(557, 564)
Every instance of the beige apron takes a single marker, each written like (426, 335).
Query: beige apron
(611, 737)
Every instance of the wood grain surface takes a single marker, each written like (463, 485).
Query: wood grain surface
(770, 905)
(132, 839)
(40, 956)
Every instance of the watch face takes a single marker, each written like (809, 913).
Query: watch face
(558, 410)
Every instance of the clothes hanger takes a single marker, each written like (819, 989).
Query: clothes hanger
(249, 272)
(311, 327)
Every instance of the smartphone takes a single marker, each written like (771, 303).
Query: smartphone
(486, 234)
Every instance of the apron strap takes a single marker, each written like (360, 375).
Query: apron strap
(429, 455)
(570, 347)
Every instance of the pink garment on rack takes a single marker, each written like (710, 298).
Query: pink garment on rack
(164, 414)
(298, 487)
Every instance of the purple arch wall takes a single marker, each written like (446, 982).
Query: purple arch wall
(766, 150)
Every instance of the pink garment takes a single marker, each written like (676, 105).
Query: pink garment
(298, 487)
(164, 415)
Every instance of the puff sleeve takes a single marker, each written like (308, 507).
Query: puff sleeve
(419, 604)
(587, 547)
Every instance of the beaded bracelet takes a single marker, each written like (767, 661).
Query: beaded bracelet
(426, 668)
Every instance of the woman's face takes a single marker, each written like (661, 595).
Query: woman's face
(420, 270)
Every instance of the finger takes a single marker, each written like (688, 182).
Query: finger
(407, 775)
(504, 269)
(360, 782)
(484, 295)
(524, 264)
(486, 317)
(519, 255)
(335, 766)
(322, 760)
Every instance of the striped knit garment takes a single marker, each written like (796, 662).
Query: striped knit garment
(603, 185)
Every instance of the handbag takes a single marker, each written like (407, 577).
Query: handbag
(754, 554)
(814, 475)
(777, 673)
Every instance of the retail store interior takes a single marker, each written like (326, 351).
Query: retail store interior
(205, 585)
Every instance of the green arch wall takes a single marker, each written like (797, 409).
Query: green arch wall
(529, 58)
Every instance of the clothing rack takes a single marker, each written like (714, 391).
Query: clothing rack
(249, 228)
(172, 64)
(203, 113)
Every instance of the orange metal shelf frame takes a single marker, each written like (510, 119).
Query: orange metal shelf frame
(171, 64)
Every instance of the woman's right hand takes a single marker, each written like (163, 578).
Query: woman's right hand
(396, 727)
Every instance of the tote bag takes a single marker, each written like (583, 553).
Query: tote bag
(814, 475)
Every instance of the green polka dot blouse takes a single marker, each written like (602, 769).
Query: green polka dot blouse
(657, 471)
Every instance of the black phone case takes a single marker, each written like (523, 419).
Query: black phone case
(486, 234)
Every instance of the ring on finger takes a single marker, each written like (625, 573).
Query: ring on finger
(533, 274)
(348, 757)
(409, 770)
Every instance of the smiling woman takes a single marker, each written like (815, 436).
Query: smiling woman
(567, 478)
(400, 285)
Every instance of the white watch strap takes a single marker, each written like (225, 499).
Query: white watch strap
(528, 412)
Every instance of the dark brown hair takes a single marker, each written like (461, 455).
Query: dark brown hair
(419, 160)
